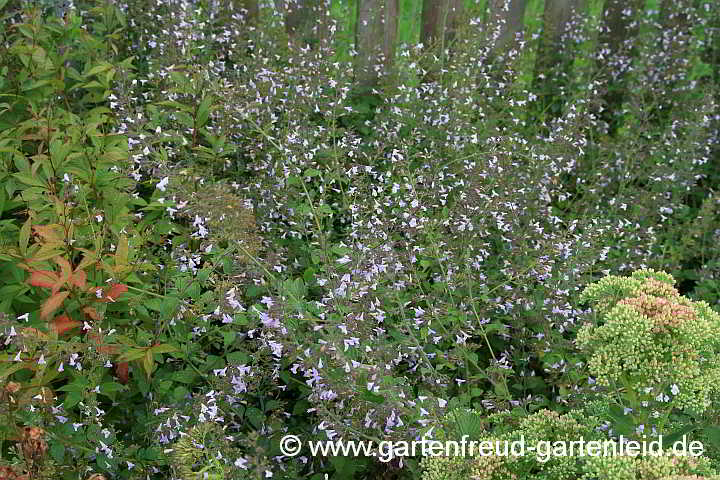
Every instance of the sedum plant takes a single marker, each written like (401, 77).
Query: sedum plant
(654, 349)
(547, 463)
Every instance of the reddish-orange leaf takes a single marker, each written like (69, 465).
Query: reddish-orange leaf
(122, 370)
(111, 295)
(65, 267)
(52, 304)
(79, 277)
(43, 278)
(108, 349)
(91, 313)
(63, 323)
(94, 290)
(116, 290)
(32, 332)
(97, 339)
(50, 233)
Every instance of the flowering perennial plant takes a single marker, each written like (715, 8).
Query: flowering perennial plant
(302, 259)
(654, 349)
(554, 429)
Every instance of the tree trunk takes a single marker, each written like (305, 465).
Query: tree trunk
(506, 19)
(375, 34)
(440, 21)
(306, 21)
(619, 23)
(619, 29)
(555, 56)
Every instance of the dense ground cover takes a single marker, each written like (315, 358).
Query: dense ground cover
(209, 240)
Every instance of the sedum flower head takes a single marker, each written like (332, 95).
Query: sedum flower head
(552, 427)
(653, 340)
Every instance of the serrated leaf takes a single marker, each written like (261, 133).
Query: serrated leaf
(228, 338)
(713, 435)
(78, 278)
(35, 84)
(52, 233)
(163, 348)
(46, 252)
(29, 180)
(111, 387)
(57, 452)
(43, 278)
(466, 423)
(52, 304)
(622, 423)
(63, 323)
(10, 369)
(185, 376)
(75, 386)
(132, 354)
(72, 399)
(122, 252)
(89, 259)
(203, 111)
(148, 363)
(673, 437)
(65, 269)
(24, 237)
(98, 69)
(373, 397)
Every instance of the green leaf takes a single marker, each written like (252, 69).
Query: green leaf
(228, 338)
(57, 449)
(237, 358)
(10, 369)
(169, 306)
(179, 393)
(622, 423)
(203, 111)
(712, 433)
(132, 354)
(466, 423)
(99, 69)
(163, 348)
(673, 437)
(35, 84)
(72, 399)
(373, 397)
(256, 417)
(29, 180)
(148, 362)
(25, 236)
(111, 387)
(185, 376)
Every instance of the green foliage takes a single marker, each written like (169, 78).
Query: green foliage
(551, 435)
(655, 350)
(208, 241)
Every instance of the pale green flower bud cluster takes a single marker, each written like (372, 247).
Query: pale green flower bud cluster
(466, 468)
(662, 467)
(652, 343)
(549, 426)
